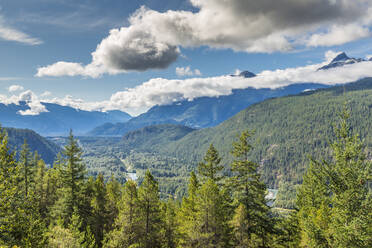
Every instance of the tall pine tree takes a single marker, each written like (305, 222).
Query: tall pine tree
(210, 168)
(187, 214)
(150, 214)
(250, 191)
(127, 229)
(72, 173)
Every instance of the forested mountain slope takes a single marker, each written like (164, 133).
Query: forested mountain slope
(287, 130)
(45, 148)
(151, 137)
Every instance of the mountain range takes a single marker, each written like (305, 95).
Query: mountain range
(286, 131)
(201, 112)
(58, 120)
(210, 111)
(341, 60)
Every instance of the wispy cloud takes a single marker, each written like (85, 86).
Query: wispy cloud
(15, 87)
(11, 34)
(9, 78)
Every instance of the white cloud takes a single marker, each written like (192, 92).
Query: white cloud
(160, 91)
(338, 35)
(330, 55)
(152, 39)
(186, 71)
(15, 87)
(31, 99)
(12, 34)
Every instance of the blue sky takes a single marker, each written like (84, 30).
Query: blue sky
(204, 35)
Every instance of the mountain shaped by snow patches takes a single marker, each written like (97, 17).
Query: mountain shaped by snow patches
(341, 60)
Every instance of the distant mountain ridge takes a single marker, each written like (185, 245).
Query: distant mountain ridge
(58, 120)
(201, 112)
(341, 60)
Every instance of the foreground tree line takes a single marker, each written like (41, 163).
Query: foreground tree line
(61, 207)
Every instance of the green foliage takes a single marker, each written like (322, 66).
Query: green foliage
(47, 150)
(211, 221)
(153, 137)
(169, 214)
(99, 218)
(210, 168)
(150, 218)
(286, 196)
(72, 174)
(334, 200)
(20, 223)
(287, 131)
(127, 228)
(61, 207)
(187, 214)
(250, 191)
(287, 232)
(26, 168)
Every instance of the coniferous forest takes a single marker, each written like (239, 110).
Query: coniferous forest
(60, 206)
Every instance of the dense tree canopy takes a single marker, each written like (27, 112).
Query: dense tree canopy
(60, 206)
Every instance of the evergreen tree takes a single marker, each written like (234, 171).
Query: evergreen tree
(83, 235)
(250, 191)
(315, 206)
(211, 220)
(99, 213)
(114, 195)
(72, 174)
(127, 231)
(20, 224)
(26, 168)
(40, 189)
(12, 219)
(187, 214)
(150, 215)
(240, 224)
(210, 168)
(287, 232)
(53, 186)
(341, 212)
(171, 234)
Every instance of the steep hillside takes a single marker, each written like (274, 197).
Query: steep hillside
(58, 120)
(201, 112)
(287, 130)
(45, 148)
(152, 137)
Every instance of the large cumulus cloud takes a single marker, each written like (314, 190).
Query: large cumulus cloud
(152, 39)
